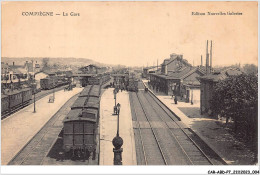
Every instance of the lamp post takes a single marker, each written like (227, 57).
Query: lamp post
(117, 142)
(34, 107)
(118, 111)
(191, 99)
(115, 107)
(53, 92)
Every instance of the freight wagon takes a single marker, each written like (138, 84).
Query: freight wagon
(15, 99)
(81, 124)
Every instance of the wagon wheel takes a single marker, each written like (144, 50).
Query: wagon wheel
(78, 153)
(94, 154)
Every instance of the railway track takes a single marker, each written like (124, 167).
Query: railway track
(170, 142)
(37, 97)
(34, 152)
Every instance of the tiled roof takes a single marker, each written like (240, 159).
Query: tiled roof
(180, 74)
(221, 75)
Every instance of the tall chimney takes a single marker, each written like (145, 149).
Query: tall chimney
(13, 63)
(207, 60)
(157, 65)
(166, 70)
(201, 61)
(210, 56)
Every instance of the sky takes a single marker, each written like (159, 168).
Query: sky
(132, 33)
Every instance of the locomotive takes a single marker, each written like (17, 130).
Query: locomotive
(15, 99)
(81, 124)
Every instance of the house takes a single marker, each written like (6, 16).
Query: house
(207, 85)
(5, 69)
(174, 63)
(43, 74)
(32, 67)
(13, 74)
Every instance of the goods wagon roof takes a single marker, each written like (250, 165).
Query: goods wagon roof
(13, 92)
(93, 100)
(94, 92)
(85, 91)
(79, 102)
(90, 117)
(26, 89)
(92, 105)
(76, 115)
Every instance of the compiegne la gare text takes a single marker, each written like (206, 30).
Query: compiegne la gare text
(44, 13)
(216, 13)
(40, 13)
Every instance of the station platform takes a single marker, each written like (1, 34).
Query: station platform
(211, 131)
(108, 128)
(20, 127)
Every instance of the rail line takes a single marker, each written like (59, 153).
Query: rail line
(193, 142)
(158, 144)
(50, 127)
(140, 133)
(166, 131)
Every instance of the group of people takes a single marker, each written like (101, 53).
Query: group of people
(120, 86)
(155, 86)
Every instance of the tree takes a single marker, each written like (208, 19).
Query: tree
(237, 97)
(250, 68)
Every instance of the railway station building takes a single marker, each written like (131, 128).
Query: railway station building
(92, 69)
(178, 77)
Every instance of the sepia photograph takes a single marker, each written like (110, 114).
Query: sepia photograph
(130, 83)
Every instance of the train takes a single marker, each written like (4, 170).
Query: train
(133, 85)
(15, 99)
(53, 82)
(98, 79)
(80, 126)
